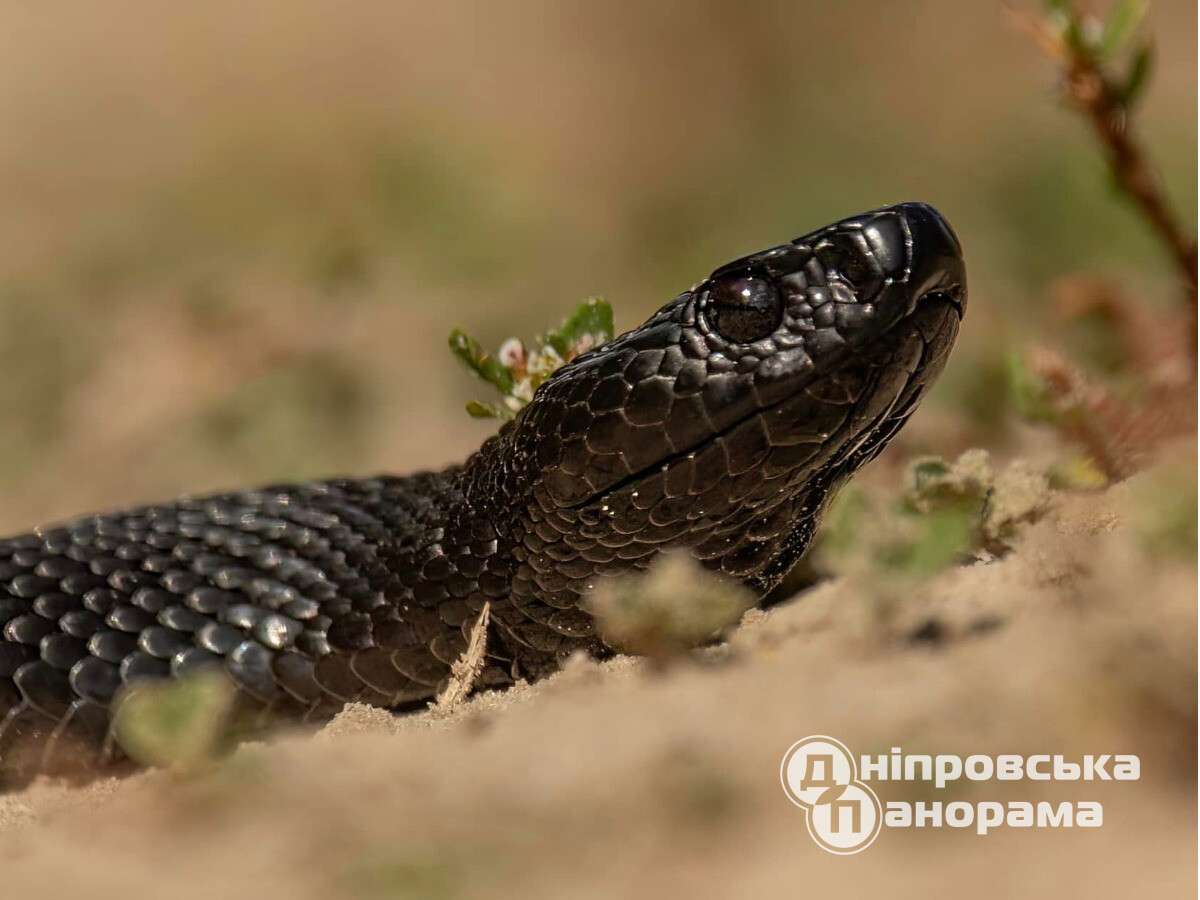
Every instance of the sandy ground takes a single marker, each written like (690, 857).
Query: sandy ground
(619, 780)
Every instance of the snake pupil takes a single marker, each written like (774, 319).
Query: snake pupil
(744, 308)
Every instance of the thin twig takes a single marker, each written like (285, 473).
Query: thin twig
(1091, 92)
(1089, 89)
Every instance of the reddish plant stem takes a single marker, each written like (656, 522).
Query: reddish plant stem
(1089, 90)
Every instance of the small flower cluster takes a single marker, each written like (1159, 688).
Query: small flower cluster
(516, 371)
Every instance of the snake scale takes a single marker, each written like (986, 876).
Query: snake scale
(721, 425)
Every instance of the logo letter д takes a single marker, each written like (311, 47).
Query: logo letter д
(816, 771)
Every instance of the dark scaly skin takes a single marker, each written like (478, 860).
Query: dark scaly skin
(685, 432)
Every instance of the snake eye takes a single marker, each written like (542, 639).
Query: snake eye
(743, 308)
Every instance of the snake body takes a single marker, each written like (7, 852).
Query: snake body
(721, 425)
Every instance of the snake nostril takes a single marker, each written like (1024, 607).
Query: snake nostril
(952, 295)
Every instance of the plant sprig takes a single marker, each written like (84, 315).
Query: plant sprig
(1105, 69)
(516, 372)
(950, 511)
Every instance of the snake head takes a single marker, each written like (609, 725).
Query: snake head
(794, 314)
(724, 421)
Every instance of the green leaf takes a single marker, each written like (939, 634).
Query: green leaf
(463, 345)
(1062, 16)
(1123, 20)
(843, 522)
(944, 537)
(1072, 29)
(1030, 397)
(1079, 473)
(466, 348)
(927, 470)
(593, 318)
(937, 485)
(471, 354)
(1139, 74)
(179, 723)
(476, 409)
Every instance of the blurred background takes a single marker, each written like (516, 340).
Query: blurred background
(234, 238)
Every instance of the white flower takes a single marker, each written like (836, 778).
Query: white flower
(512, 354)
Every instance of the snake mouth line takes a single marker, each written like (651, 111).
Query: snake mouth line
(950, 298)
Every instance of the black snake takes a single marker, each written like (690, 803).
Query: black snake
(721, 425)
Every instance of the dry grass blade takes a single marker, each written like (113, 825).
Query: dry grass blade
(466, 668)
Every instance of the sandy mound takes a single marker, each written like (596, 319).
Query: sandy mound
(619, 780)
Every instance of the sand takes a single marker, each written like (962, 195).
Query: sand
(623, 780)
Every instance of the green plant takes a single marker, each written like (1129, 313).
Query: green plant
(516, 372)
